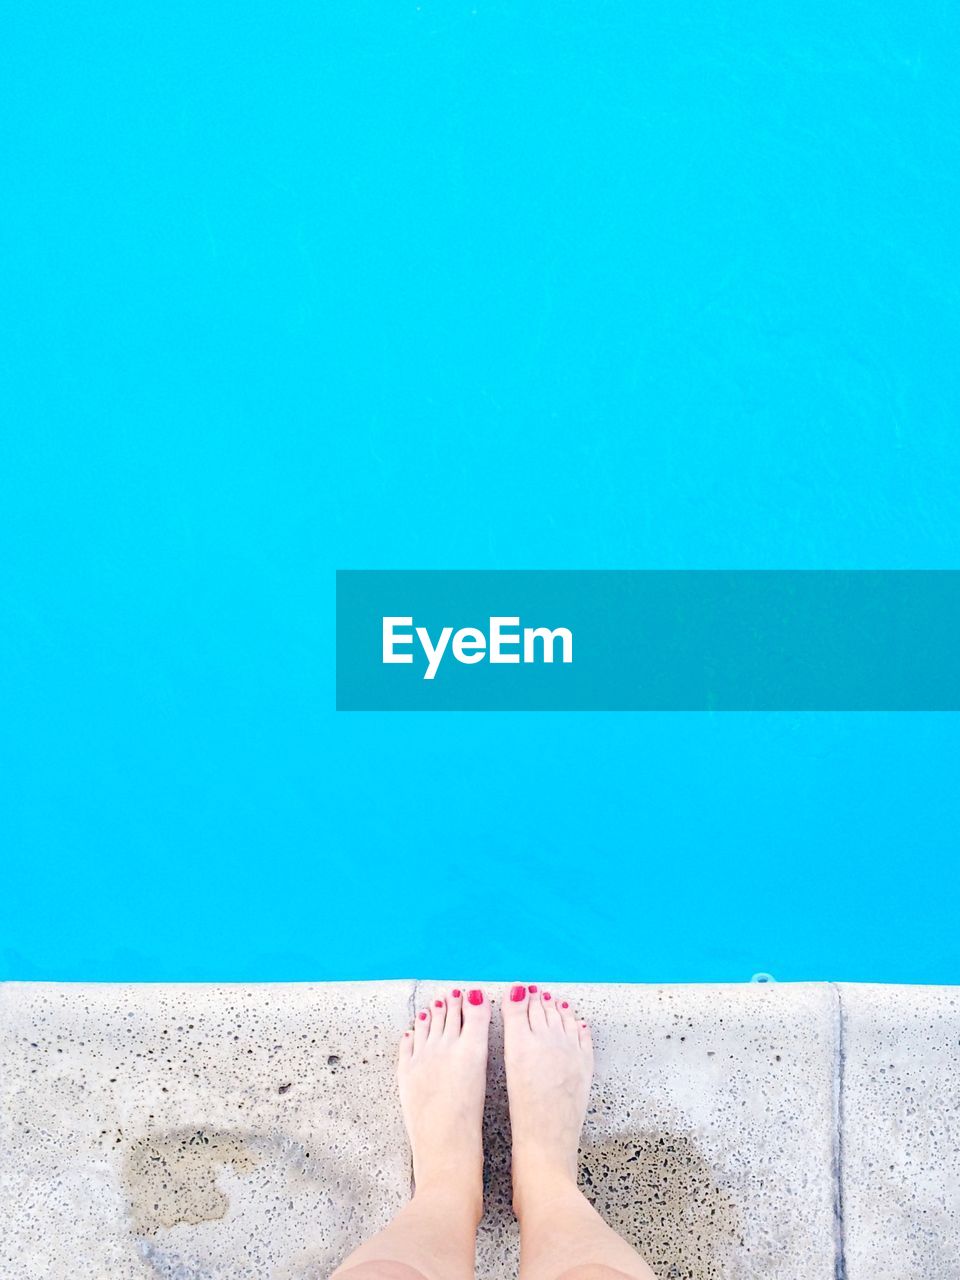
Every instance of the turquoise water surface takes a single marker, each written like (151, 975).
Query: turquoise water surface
(295, 288)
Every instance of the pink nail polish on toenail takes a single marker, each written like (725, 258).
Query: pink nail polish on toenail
(423, 1017)
(533, 989)
(475, 996)
(547, 995)
(438, 1004)
(456, 993)
(517, 994)
(565, 1004)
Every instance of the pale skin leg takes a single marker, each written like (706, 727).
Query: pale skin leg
(548, 1056)
(442, 1077)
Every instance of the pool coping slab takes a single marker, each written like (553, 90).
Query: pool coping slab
(775, 1142)
(900, 1130)
(729, 1169)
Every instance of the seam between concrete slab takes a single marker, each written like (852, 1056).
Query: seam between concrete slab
(411, 1015)
(840, 1265)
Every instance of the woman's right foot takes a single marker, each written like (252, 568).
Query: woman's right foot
(443, 1076)
(548, 1056)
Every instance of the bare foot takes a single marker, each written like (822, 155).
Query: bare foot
(548, 1055)
(443, 1076)
(549, 1059)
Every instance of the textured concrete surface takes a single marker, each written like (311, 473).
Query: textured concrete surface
(225, 1133)
(197, 1132)
(901, 1132)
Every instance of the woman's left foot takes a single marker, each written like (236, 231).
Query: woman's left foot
(443, 1079)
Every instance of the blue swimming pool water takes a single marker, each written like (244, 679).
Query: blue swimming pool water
(292, 288)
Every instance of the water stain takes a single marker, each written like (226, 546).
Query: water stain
(653, 1185)
(656, 1190)
(171, 1178)
(172, 1181)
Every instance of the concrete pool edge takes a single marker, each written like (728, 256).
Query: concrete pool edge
(797, 1121)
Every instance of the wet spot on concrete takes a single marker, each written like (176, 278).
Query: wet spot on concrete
(656, 1189)
(171, 1178)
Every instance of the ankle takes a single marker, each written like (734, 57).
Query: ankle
(539, 1186)
(459, 1198)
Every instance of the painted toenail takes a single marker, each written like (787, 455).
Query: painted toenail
(517, 993)
(423, 1017)
(475, 996)
(547, 995)
(533, 989)
(456, 993)
(565, 1004)
(438, 1004)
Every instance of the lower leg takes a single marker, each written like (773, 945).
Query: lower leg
(442, 1078)
(431, 1238)
(549, 1060)
(562, 1235)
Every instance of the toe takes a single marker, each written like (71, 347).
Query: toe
(421, 1029)
(549, 1006)
(567, 1016)
(535, 1010)
(454, 1020)
(476, 1012)
(406, 1047)
(583, 1034)
(438, 1016)
(515, 1001)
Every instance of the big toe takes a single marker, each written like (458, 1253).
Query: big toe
(476, 1013)
(516, 1007)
